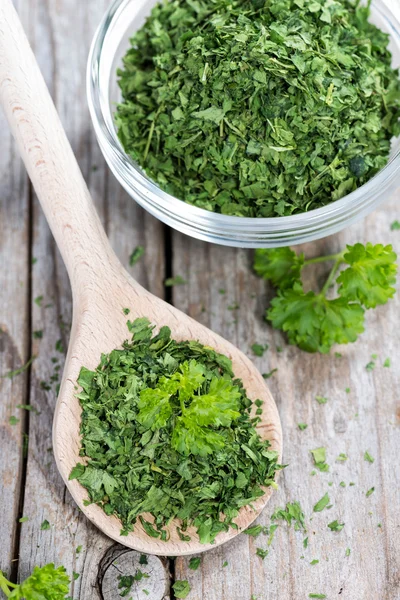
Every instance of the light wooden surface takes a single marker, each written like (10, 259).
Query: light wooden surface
(101, 288)
(366, 419)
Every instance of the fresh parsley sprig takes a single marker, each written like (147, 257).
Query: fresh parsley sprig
(45, 583)
(316, 321)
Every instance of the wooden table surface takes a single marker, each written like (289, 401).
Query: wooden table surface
(366, 419)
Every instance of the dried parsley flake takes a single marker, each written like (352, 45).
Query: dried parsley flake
(167, 430)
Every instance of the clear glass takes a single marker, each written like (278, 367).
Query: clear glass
(110, 44)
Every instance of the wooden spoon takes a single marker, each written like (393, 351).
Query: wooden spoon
(100, 285)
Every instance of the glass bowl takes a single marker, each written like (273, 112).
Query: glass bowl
(110, 44)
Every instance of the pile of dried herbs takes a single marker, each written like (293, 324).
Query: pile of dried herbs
(259, 108)
(167, 430)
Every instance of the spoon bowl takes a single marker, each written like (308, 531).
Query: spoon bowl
(101, 288)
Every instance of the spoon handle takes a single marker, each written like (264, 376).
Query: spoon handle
(49, 158)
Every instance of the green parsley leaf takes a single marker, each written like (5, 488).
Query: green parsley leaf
(314, 323)
(302, 426)
(23, 519)
(371, 275)
(78, 549)
(177, 280)
(45, 525)
(314, 562)
(321, 504)
(262, 553)
(75, 575)
(335, 526)
(181, 588)
(136, 255)
(225, 564)
(281, 266)
(143, 560)
(45, 582)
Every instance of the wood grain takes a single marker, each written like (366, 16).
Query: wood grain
(372, 571)
(368, 418)
(14, 333)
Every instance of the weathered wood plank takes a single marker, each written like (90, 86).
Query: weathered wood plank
(64, 64)
(14, 332)
(351, 423)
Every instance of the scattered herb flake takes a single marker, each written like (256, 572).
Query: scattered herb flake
(23, 519)
(45, 525)
(302, 426)
(321, 400)
(78, 550)
(38, 300)
(321, 504)
(319, 455)
(395, 226)
(37, 335)
(305, 542)
(314, 562)
(262, 553)
(269, 375)
(12, 374)
(177, 280)
(181, 588)
(347, 553)
(59, 346)
(225, 564)
(342, 457)
(291, 513)
(321, 596)
(335, 526)
(368, 457)
(136, 255)
(75, 575)
(143, 560)
(347, 390)
(370, 366)
(126, 311)
(259, 349)
(255, 530)
(387, 363)
(370, 491)
(13, 420)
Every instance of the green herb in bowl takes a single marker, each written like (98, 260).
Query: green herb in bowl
(259, 108)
